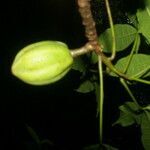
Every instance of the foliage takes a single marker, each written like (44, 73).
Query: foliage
(143, 16)
(138, 68)
(134, 64)
(38, 142)
(124, 34)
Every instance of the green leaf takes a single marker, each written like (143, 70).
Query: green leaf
(85, 87)
(33, 135)
(124, 33)
(97, 147)
(108, 147)
(147, 108)
(94, 58)
(145, 128)
(92, 147)
(79, 65)
(132, 106)
(48, 142)
(147, 2)
(139, 66)
(143, 16)
(129, 114)
(125, 119)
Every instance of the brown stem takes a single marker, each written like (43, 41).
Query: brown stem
(89, 23)
(91, 34)
(82, 50)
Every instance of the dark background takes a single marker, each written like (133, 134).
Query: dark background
(56, 112)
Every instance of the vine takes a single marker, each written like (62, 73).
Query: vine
(41, 64)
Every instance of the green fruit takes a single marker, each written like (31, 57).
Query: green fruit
(42, 62)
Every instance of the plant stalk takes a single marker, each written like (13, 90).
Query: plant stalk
(101, 100)
(134, 48)
(112, 30)
(129, 92)
(82, 50)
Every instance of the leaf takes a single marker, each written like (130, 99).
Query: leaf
(147, 108)
(92, 147)
(79, 64)
(145, 128)
(97, 147)
(33, 135)
(125, 119)
(48, 142)
(132, 106)
(85, 87)
(139, 66)
(108, 147)
(129, 114)
(124, 33)
(94, 58)
(143, 16)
